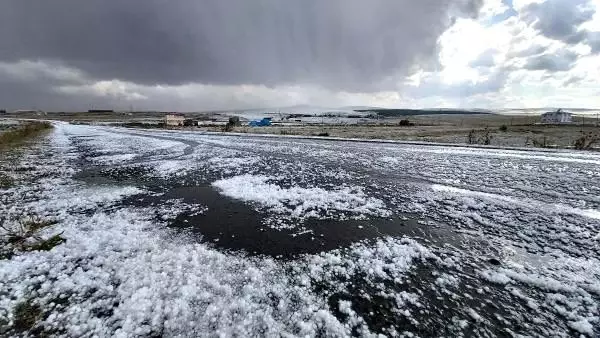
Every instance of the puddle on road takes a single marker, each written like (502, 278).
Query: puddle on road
(234, 225)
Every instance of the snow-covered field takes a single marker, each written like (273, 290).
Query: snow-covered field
(189, 234)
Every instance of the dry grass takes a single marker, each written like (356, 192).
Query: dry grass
(23, 132)
(587, 141)
(6, 181)
(26, 314)
(509, 131)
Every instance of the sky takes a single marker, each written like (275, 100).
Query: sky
(198, 55)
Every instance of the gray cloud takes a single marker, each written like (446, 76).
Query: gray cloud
(529, 51)
(594, 42)
(485, 59)
(42, 94)
(552, 62)
(560, 19)
(342, 44)
(434, 86)
(572, 81)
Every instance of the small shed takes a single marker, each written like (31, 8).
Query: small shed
(556, 117)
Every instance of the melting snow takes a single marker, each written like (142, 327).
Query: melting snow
(301, 203)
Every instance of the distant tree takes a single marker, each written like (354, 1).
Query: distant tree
(235, 121)
(228, 127)
(486, 138)
(503, 128)
(471, 139)
(586, 141)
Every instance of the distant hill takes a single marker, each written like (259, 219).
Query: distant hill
(413, 112)
(539, 111)
(358, 108)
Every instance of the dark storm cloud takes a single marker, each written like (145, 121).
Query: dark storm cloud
(40, 94)
(560, 19)
(552, 62)
(342, 44)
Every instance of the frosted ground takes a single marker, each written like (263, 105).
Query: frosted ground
(189, 234)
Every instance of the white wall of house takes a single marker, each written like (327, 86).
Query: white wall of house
(174, 120)
(557, 117)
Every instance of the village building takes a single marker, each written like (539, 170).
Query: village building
(30, 112)
(174, 120)
(557, 117)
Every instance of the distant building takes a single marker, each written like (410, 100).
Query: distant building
(174, 120)
(2, 111)
(30, 112)
(558, 116)
(101, 111)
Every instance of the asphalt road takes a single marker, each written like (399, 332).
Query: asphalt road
(387, 238)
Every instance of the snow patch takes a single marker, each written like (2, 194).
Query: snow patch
(301, 203)
(582, 326)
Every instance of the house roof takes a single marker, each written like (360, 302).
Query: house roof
(559, 112)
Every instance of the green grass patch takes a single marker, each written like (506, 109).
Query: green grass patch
(24, 132)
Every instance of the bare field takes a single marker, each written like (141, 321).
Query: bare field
(503, 130)
(520, 131)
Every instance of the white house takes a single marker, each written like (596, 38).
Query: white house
(174, 120)
(558, 116)
(30, 112)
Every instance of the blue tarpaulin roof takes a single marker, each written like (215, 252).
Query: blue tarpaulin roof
(260, 123)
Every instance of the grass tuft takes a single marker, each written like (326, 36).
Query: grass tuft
(48, 244)
(24, 236)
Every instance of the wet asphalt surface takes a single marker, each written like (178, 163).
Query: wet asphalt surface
(232, 225)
